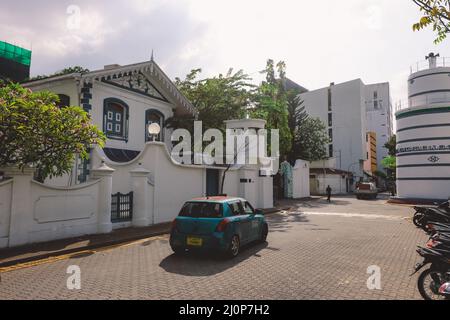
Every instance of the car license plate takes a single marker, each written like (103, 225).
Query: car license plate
(195, 242)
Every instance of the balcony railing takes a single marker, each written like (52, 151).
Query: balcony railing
(425, 64)
(423, 100)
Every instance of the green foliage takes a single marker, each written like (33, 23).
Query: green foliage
(233, 96)
(70, 70)
(309, 135)
(391, 145)
(311, 140)
(271, 104)
(390, 163)
(217, 99)
(436, 14)
(380, 174)
(35, 132)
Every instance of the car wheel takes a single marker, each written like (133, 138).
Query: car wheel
(264, 233)
(234, 247)
(178, 251)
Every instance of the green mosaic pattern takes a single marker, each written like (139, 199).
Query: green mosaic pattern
(15, 53)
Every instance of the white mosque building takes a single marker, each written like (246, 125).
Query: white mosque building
(423, 133)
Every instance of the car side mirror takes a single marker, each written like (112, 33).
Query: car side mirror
(259, 212)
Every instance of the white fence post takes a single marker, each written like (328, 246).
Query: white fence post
(139, 180)
(104, 202)
(21, 204)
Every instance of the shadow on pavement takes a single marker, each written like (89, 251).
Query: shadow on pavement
(284, 222)
(203, 264)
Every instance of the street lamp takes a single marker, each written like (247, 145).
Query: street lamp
(154, 130)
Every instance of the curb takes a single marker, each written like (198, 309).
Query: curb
(104, 244)
(85, 248)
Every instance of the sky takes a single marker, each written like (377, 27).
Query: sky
(320, 41)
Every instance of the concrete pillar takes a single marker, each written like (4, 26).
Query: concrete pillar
(141, 209)
(21, 205)
(104, 173)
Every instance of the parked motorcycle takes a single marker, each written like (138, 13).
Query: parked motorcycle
(432, 279)
(426, 215)
(434, 228)
(434, 282)
(445, 290)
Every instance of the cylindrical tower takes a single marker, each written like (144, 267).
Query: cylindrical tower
(423, 133)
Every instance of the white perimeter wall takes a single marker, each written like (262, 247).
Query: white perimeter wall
(5, 211)
(31, 212)
(336, 182)
(172, 184)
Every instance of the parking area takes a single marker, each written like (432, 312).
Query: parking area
(315, 251)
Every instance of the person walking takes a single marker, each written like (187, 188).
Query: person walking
(329, 190)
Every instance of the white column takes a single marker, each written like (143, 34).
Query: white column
(141, 210)
(21, 205)
(104, 173)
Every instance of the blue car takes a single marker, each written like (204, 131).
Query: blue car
(217, 224)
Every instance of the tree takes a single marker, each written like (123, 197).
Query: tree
(35, 132)
(391, 145)
(309, 135)
(69, 70)
(310, 140)
(436, 13)
(216, 99)
(390, 162)
(271, 104)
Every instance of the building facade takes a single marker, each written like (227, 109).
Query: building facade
(15, 62)
(122, 101)
(350, 110)
(133, 180)
(371, 164)
(423, 139)
(379, 117)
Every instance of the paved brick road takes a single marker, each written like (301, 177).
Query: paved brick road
(321, 255)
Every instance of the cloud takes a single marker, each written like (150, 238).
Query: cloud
(92, 34)
(321, 41)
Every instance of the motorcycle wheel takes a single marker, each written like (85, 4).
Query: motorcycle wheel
(429, 283)
(417, 220)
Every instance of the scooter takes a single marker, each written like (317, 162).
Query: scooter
(431, 280)
(433, 228)
(445, 290)
(431, 215)
(422, 214)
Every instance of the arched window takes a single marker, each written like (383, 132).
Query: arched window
(115, 115)
(64, 101)
(154, 116)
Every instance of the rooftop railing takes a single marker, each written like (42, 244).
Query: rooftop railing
(425, 64)
(423, 100)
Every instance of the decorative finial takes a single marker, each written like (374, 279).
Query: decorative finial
(152, 58)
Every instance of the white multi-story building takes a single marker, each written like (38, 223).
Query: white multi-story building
(379, 117)
(350, 110)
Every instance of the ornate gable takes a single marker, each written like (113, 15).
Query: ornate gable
(135, 82)
(137, 78)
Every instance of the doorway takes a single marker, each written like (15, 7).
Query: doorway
(212, 182)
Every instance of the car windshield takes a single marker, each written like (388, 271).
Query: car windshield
(201, 210)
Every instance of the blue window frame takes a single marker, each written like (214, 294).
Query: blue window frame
(64, 101)
(154, 116)
(115, 119)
